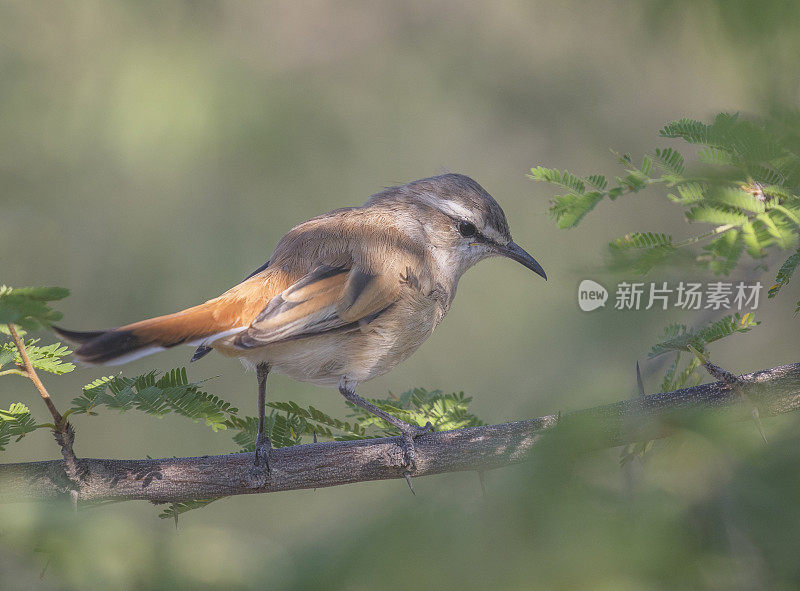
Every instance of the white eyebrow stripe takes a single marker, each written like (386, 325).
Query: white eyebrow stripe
(448, 207)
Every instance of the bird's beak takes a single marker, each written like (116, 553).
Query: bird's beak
(516, 253)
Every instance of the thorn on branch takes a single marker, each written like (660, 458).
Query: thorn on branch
(730, 379)
(407, 476)
(759, 426)
(722, 375)
(639, 380)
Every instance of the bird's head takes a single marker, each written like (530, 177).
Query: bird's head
(463, 223)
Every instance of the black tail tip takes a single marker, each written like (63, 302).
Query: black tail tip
(100, 346)
(77, 337)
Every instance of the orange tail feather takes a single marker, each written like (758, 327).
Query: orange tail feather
(119, 345)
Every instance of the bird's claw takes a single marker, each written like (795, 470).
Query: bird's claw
(261, 469)
(263, 451)
(409, 434)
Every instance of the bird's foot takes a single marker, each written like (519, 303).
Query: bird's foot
(261, 469)
(263, 452)
(410, 433)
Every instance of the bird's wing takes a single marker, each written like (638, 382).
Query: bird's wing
(326, 299)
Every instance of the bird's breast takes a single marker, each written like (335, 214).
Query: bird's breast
(361, 353)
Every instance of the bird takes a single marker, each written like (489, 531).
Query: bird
(344, 298)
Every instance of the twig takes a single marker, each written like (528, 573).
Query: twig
(319, 465)
(63, 432)
(30, 373)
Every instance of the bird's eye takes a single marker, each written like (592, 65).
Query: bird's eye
(466, 229)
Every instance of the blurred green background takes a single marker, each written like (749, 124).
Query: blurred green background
(151, 155)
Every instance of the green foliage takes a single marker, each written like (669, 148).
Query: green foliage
(569, 209)
(43, 358)
(17, 422)
(748, 145)
(564, 179)
(419, 407)
(716, 215)
(689, 193)
(676, 378)
(284, 430)
(27, 306)
(174, 509)
(670, 160)
(785, 274)
(641, 251)
(737, 199)
(724, 252)
(8, 353)
(316, 421)
(149, 393)
(747, 188)
(642, 240)
(247, 428)
(677, 337)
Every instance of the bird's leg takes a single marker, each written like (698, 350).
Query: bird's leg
(408, 431)
(263, 444)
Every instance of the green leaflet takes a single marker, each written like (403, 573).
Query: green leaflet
(641, 252)
(174, 509)
(670, 160)
(155, 395)
(45, 358)
(678, 337)
(316, 421)
(564, 179)
(716, 215)
(598, 181)
(725, 252)
(570, 209)
(17, 422)
(689, 193)
(688, 376)
(642, 240)
(740, 200)
(420, 406)
(785, 274)
(27, 306)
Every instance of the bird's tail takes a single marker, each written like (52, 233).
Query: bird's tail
(192, 326)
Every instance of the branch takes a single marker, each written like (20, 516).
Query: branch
(319, 465)
(62, 430)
